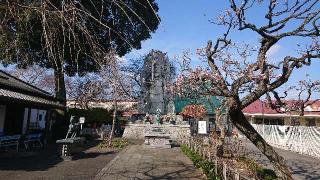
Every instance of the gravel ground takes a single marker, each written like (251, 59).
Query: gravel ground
(46, 164)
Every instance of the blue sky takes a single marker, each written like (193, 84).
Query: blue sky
(185, 25)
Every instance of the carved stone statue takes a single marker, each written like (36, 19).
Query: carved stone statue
(71, 142)
(171, 108)
(74, 128)
(156, 74)
(158, 116)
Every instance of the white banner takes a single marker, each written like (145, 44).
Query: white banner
(300, 139)
(202, 127)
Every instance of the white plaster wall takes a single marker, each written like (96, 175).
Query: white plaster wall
(42, 118)
(33, 117)
(2, 117)
(37, 115)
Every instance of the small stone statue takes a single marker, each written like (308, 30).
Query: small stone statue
(73, 128)
(171, 108)
(147, 119)
(71, 141)
(158, 116)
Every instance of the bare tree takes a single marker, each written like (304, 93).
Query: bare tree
(132, 77)
(112, 75)
(84, 90)
(233, 72)
(35, 75)
(193, 84)
(304, 91)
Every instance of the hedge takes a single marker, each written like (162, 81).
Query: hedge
(208, 167)
(94, 115)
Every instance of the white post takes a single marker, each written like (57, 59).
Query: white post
(216, 166)
(237, 176)
(224, 170)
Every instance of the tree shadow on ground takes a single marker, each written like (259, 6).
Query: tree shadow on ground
(44, 159)
(301, 166)
(177, 170)
(304, 170)
(87, 155)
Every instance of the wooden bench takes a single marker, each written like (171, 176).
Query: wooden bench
(7, 141)
(33, 138)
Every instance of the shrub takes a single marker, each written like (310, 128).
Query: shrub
(116, 143)
(206, 166)
(94, 115)
(266, 174)
(119, 143)
(60, 127)
(88, 137)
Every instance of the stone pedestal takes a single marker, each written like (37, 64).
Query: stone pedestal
(158, 141)
(155, 136)
(176, 132)
(70, 146)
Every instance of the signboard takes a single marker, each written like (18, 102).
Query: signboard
(202, 127)
(81, 120)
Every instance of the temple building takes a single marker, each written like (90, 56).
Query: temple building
(259, 112)
(24, 108)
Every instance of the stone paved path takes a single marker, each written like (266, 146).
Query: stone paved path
(142, 162)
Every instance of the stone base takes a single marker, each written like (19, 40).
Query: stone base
(160, 142)
(69, 147)
(176, 132)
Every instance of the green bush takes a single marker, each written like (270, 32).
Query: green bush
(262, 173)
(94, 115)
(116, 143)
(60, 127)
(266, 174)
(206, 166)
(119, 143)
(88, 137)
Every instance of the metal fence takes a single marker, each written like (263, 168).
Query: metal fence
(301, 139)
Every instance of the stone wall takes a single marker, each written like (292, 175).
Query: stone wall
(177, 132)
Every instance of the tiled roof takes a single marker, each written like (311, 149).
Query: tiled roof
(259, 106)
(262, 107)
(27, 98)
(16, 89)
(12, 82)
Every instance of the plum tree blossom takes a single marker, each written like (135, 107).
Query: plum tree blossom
(242, 73)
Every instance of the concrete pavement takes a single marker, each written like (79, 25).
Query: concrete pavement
(301, 166)
(143, 162)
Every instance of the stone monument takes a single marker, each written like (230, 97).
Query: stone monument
(159, 127)
(157, 73)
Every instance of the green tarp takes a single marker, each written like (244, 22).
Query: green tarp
(180, 103)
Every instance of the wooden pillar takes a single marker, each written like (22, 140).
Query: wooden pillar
(46, 134)
(28, 120)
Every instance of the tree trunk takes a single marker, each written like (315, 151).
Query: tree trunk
(60, 88)
(113, 122)
(220, 147)
(240, 121)
(219, 124)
